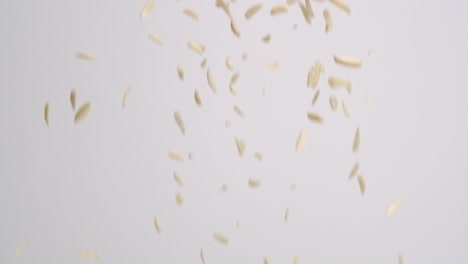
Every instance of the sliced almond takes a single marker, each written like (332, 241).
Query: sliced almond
(314, 74)
(180, 199)
(235, 77)
(197, 98)
(202, 256)
(19, 249)
(252, 10)
(286, 215)
(272, 65)
(254, 183)
(190, 156)
(85, 55)
(229, 64)
(240, 147)
(307, 11)
(400, 259)
(342, 5)
(211, 81)
(333, 100)
(196, 47)
(180, 72)
(362, 184)
(157, 224)
(393, 207)
(266, 38)
(316, 96)
(354, 170)
(82, 112)
(296, 260)
(191, 13)
(245, 56)
(233, 88)
(337, 82)
(345, 109)
(301, 140)
(348, 61)
(90, 255)
(125, 96)
(146, 9)
(238, 111)
(46, 113)
(266, 260)
(175, 155)
(73, 99)
(328, 21)
(180, 122)
(315, 117)
(258, 156)
(224, 188)
(235, 28)
(357, 140)
(279, 9)
(224, 6)
(203, 63)
(178, 179)
(220, 238)
(156, 38)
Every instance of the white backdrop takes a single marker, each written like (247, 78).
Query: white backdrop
(96, 186)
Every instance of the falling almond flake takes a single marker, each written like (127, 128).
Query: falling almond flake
(354, 170)
(314, 117)
(224, 187)
(337, 82)
(254, 183)
(362, 184)
(314, 74)
(235, 28)
(146, 9)
(180, 72)
(203, 63)
(157, 225)
(328, 21)
(238, 111)
(279, 9)
(46, 113)
(308, 7)
(196, 47)
(307, 11)
(220, 238)
(266, 260)
(125, 96)
(333, 100)
(90, 255)
(73, 99)
(233, 88)
(296, 260)
(224, 6)
(258, 156)
(156, 38)
(348, 61)
(400, 259)
(266, 38)
(301, 140)
(245, 56)
(345, 109)
(19, 249)
(272, 65)
(211, 81)
(342, 5)
(368, 98)
(357, 140)
(82, 112)
(197, 98)
(180, 122)
(393, 207)
(229, 64)
(240, 147)
(84, 55)
(191, 13)
(235, 77)
(227, 123)
(202, 256)
(316, 96)
(190, 156)
(179, 199)
(252, 10)
(175, 155)
(286, 215)
(178, 179)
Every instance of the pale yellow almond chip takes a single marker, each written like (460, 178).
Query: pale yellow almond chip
(286, 215)
(266, 260)
(191, 13)
(202, 256)
(224, 6)
(345, 109)
(156, 38)
(315, 117)
(19, 249)
(211, 81)
(178, 179)
(342, 5)
(233, 88)
(252, 10)
(272, 65)
(180, 199)
(46, 113)
(333, 100)
(266, 38)
(400, 259)
(227, 123)
(357, 140)
(240, 146)
(203, 63)
(220, 238)
(254, 183)
(180, 72)
(238, 111)
(307, 11)
(296, 260)
(82, 112)
(245, 56)
(258, 156)
(279, 9)
(125, 96)
(301, 140)
(175, 155)
(146, 9)
(393, 207)
(337, 82)
(73, 99)
(348, 61)
(316, 96)
(85, 55)
(157, 224)
(180, 122)
(328, 21)
(229, 64)
(362, 184)
(197, 98)
(235, 28)
(308, 7)
(235, 77)
(314, 74)
(90, 255)
(196, 47)
(354, 170)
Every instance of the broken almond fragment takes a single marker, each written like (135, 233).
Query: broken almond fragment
(266, 38)
(85, 55)
(180, 72)
(252, 10)
(348, 61)
(175, 155)
(125, 96)
(157, 225)
(196, 47)
(301, 140)
(337, 82)
(328, 21)
(211, 81)
(393, 207)
(220, 238)
(314, 117)
(178, 179)
(197, 98)
(191, 13)
(240, 147)
(357, 140)
(333, 100)
(180, 122)
(316, 96)
(354, 170)
(362, 184)
(279, 9)
(229, 64)
(254, 183)
(82, 112)
(235, 28)
(180, 199)
(238, 111)
(156, 38)
(146, 9)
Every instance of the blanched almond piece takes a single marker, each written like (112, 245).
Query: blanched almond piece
(286, 215)
(291, 2)
(333, 100)
(348, 61)
(314, 117)
(82, 112)
(254, 183)
(224, 187)
(400, 259)
(220, 238)
(301, 140)
(279, 9)
(233, 88)
(156, 38)
(202, 256)
(46, 113)
(354, 170)
(238, 111)
(180, 122)
(245, 56)
(157, 225)
(190, 156)
(357, 140)
(73, 99)
(345, 109)
(180, 199)
(197, 98)
(393, 207)
(240, 146)
(266, 260)
(296, 260)
(211, 81)
(191, 13)
(146, 9)
(328, 21)
(307, 11)
(342, 5)
(316, 96)
(85, 55)
(125, 96)
(258, 156)
(175, 155)
(362, 184)
(224, 6)
(314, 74)
(252, 10)
(229, 64)
(235, 77)
(178, 179)
(203, 63)
(235, 28)
(337, 82)
(180, 72)
(266, 38)
(196, 47)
